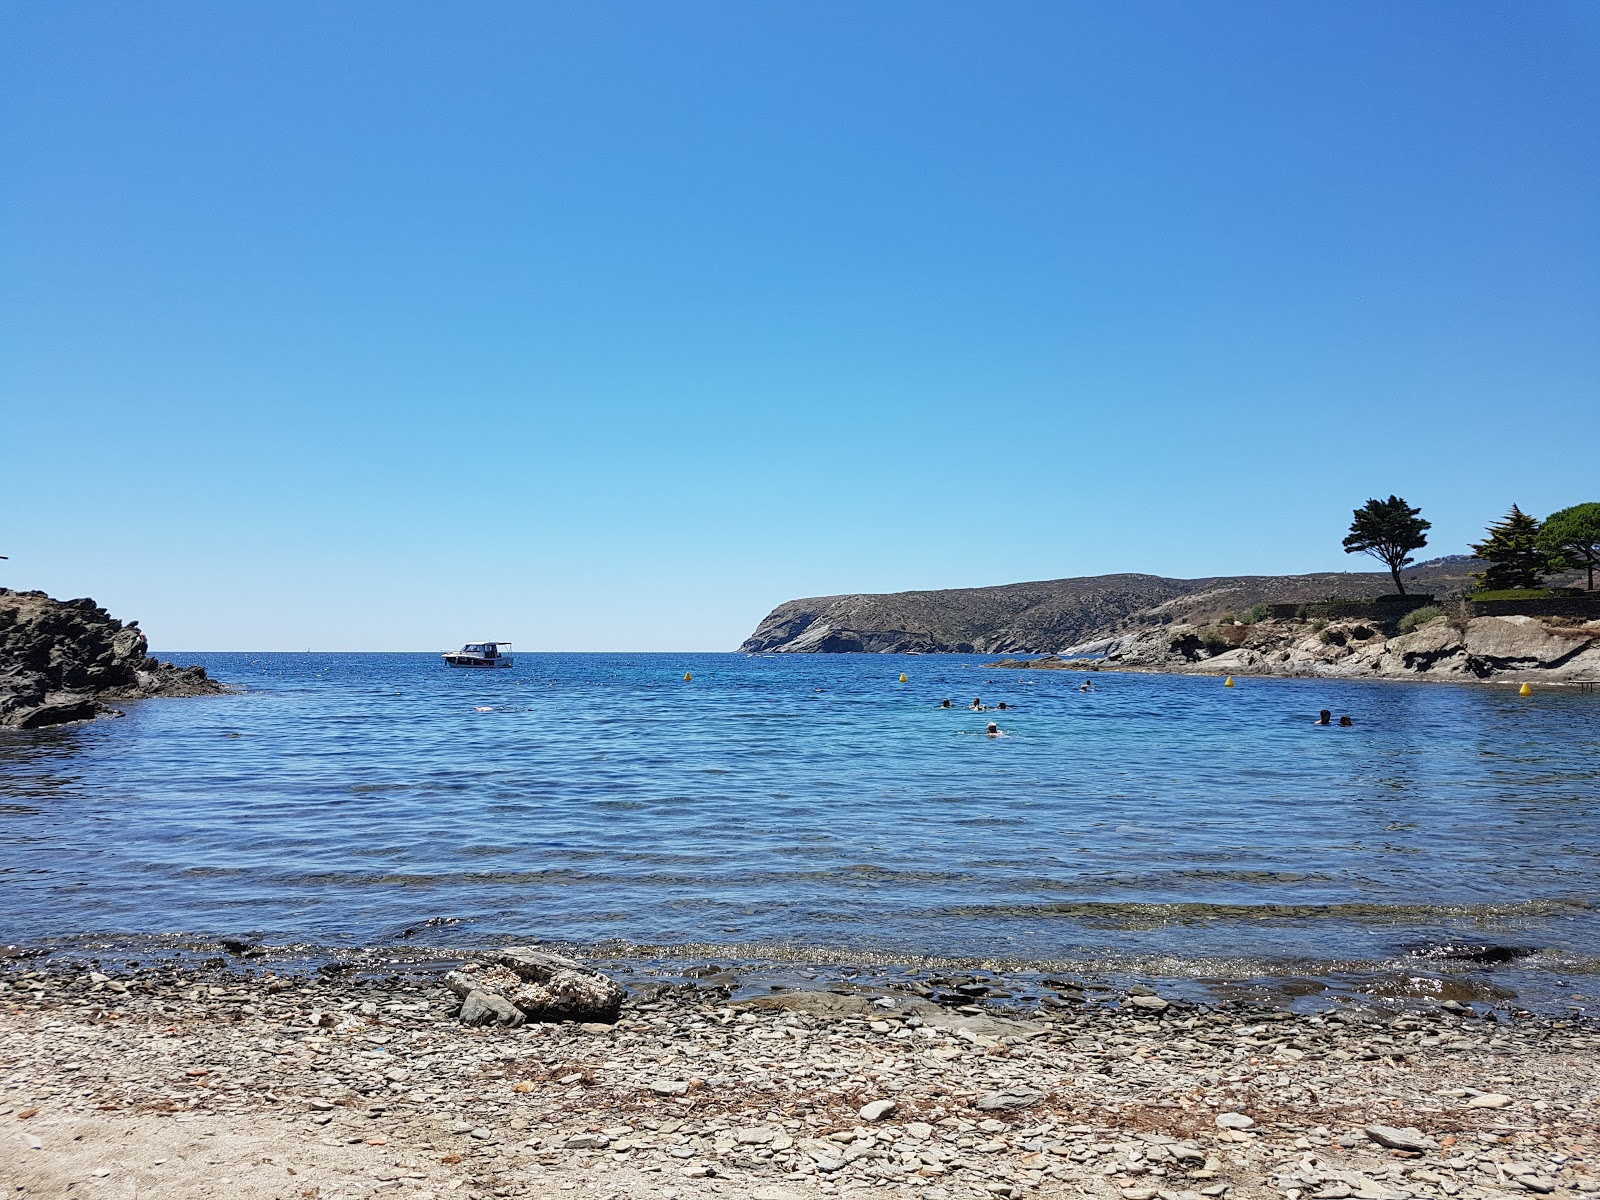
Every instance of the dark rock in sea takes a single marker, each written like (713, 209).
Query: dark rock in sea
(62, 660)
(1477, 954)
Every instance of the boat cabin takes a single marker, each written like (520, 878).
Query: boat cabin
(480, 654)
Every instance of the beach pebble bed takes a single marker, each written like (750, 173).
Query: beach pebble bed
(184, 1081)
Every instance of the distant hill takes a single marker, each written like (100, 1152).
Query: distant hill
(1053, 615)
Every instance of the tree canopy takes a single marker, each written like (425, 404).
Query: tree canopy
(1513, 554)
(1389, 530)
(1571, 538)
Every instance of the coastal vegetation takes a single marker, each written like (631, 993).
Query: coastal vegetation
(1389, 530)
(1514, 554)
(1571, 537)
(1420, 616)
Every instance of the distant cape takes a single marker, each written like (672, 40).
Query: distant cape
(1056, 615)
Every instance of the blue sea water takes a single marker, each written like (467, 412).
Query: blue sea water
(1157, 826)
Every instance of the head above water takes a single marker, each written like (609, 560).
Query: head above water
(1324, 717)
(993, 728)
(945, 704)
(1346, 721)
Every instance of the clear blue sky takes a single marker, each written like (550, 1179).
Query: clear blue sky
(610, 325)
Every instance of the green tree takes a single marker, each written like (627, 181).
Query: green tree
(1571, 538)
(1512, 552)
(1389, 530)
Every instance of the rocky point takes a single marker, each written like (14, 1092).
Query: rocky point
(63, 660)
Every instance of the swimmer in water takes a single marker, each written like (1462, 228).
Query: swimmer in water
(945, 704)
(1324, 718)
(993, 730)
(977, 704)
(1088, 686)
(1346, 722)
(1001, 706)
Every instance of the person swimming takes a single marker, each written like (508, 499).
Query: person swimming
(993, 730)
(1346, 722)
(1086, 686)
(944, 704)
(1001, 706)
(977, 704)
(1324, 718)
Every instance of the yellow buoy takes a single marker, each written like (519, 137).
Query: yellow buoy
(687, 677)
(1228, 682)
(902, 676)
(1524, 690)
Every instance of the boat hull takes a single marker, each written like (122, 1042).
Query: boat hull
(473, 661)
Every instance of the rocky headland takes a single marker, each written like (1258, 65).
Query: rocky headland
(1513, 649)
(187, 1080)
(1044, 617)
(66, 660)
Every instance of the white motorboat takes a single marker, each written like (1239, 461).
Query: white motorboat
(480, 654)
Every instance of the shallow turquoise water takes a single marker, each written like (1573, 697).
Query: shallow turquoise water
(1158, 825)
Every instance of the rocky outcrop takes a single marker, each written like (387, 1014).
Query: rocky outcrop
(524, 983)
(1043, 617)
(62, 660)
(1513, 649)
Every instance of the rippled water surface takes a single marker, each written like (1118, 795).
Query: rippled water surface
(816, 801)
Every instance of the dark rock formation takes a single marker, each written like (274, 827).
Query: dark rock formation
(61, 660)
(1035, 618)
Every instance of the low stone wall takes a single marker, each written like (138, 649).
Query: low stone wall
(1586, 606)
(1386, 608)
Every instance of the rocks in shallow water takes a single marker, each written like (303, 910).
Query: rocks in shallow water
(539, 986)
(1401, 1139)
(1475, 953)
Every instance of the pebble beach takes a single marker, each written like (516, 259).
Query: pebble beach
(217, 1081)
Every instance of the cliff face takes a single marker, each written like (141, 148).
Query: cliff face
(1035, 618)
(1512, 649)
(61, 660)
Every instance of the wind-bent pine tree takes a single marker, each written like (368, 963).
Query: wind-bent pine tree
(1389, 530)
(1571, 537)
(1512, 552)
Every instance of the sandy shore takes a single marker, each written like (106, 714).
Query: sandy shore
(185, 1082)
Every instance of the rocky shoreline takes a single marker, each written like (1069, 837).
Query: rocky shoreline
(66, 660)
(1513, 649)
(215, 1079)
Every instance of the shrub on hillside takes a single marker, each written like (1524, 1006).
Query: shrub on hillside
(1419, 616)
